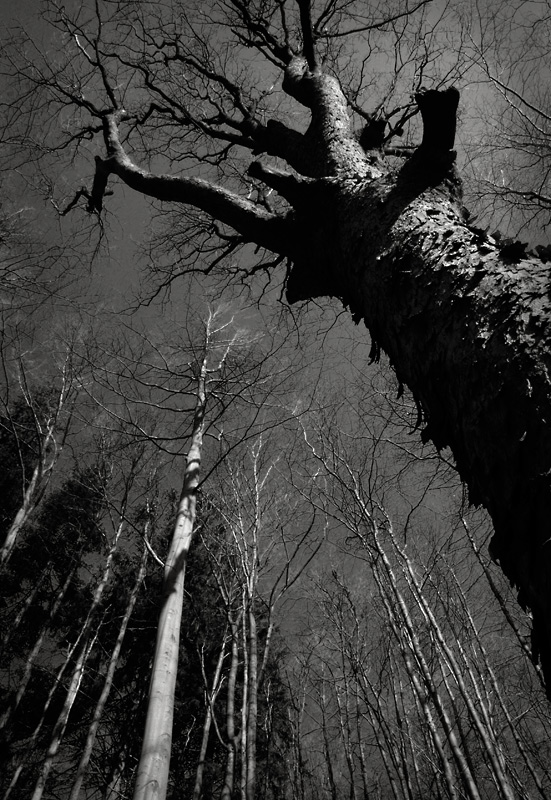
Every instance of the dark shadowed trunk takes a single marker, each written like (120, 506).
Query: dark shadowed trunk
(466, 327)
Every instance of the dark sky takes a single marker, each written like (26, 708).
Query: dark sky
(116, 270)
(23, 11)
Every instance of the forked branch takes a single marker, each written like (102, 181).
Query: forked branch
(253, 222)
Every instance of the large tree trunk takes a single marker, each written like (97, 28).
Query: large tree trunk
(464, 322)
(466, 325)
(467, 328)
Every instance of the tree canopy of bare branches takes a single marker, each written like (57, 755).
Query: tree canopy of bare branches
(243, 115)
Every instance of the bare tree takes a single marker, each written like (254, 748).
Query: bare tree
(464, 321)
(110, 673)
(508, 149)
(153, 768)
(270, 541)
(404, 659)
(39, 435)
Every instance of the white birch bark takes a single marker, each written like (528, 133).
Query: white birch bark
(50, 441)
(35, 651)
(83, 637)
(153, 767)
(232, 735)
(30, 501)
(61, 724)
(102, 700)
(211, 697)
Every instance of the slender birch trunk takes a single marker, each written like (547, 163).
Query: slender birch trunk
(343, 717)
(495, 688)
(153, 767)
(252, 705)
(244, 702)
(326, 745)
(102, 700)
(227, 788)
(35, 651)
(61, 724)
(478, 716)
(31, 499)
(34, 736)
(49, 452)
(83, 637)
(211, 697)
(394, 602)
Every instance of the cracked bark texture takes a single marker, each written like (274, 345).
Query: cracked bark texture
(466, 328)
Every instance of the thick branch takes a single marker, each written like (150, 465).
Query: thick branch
(307, 34)
(276, 139)
(438, 110)
(293, 83)
(285, 184)
(253, 223)
(330, 135)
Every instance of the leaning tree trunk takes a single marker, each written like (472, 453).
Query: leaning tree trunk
(467, 327)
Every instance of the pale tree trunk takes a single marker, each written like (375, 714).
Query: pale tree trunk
(326, 742)
(153, 767)
(31, 498)
(469, 691)
(31, 741)
(296, 715)
(495, 691)
(61, 724)
(386, 740)
(405, 740)
(83, 637)
(113, 662)
(35, 651)
(252, 703)
(211, 695)
(361, 751)
(346, 734)
(247, 504)
(50, 441)
(405, 631)
(244, 701)
(231, 733)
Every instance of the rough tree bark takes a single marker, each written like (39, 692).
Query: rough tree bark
(464, 323)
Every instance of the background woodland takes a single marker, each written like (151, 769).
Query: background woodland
(344, 632)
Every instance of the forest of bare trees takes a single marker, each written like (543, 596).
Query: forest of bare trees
(249, 547)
